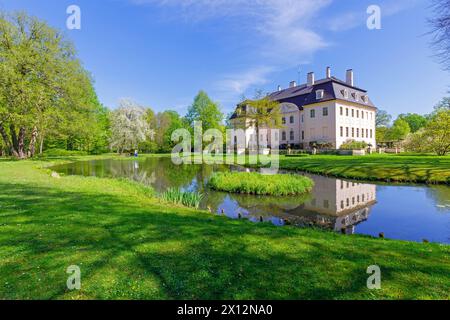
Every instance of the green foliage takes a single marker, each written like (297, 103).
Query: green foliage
(63, 153)
(205, 110)
(381, 134)
(45, 93)
(414, 120)
(185, 198)
(353, 145)
(398, 131)
(256, 183)
(166, 123)
(437, 132)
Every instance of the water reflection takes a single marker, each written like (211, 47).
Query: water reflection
(402, 212)
(333, 204)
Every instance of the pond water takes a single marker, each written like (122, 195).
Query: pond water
(407, 212)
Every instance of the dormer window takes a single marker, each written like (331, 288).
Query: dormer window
(355, 96)
(319, 94)
(365, 99)
(344, 93)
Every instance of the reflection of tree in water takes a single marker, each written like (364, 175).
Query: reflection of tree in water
(441, 196)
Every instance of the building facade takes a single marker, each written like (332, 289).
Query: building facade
(327, 113)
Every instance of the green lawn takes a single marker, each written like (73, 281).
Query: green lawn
(128, 245)
(381, 167)
(398, 168)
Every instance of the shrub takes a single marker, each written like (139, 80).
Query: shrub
(177, 196)
(256, 183)
(63, 153)
(353, 145)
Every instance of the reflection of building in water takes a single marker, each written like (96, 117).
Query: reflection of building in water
(337, 204)
(333, 204)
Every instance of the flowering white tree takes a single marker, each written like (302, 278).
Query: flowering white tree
(129, 126)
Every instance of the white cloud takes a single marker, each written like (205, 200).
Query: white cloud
(281, 29)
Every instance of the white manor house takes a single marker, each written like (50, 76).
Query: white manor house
(325, 112)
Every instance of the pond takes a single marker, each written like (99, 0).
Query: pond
(406, 212)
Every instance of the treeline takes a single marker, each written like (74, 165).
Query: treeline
(48, 102)
(137, 127)
(415, 132)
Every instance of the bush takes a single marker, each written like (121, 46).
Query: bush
(256, 183)
(353, 145)
(63, 153)
(188, 199)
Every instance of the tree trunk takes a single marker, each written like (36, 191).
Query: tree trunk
(15, 142)
(41, 144)
(32, 147)
(21, 143)
(6, 139)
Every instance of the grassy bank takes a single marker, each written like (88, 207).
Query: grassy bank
(128, 245)
(256, 183)
(376, 167)
(399, 168)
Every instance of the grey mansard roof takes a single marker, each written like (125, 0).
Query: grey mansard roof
(333, 88)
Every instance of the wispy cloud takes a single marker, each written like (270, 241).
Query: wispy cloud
(283, 26)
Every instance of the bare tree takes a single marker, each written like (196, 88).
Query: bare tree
(440, 25)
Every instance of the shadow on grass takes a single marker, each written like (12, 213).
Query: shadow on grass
(144, 251)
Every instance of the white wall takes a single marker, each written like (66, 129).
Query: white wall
(319, 128)
(353, 122)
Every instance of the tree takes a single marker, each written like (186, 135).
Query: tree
(440, 25)
(443, 105)
(399, 130)
(43, 88)
(437, 132)
(383, 119)
(259, 113)
(166, 123)
(129, 126)
(382, 134)
(205, 110)
(415, 121)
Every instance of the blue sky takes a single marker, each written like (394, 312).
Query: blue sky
(162, 52)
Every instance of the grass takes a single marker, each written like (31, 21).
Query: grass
(256, 183)
(188, 199)
(411, 168)
(390, 168)
(129, 245)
